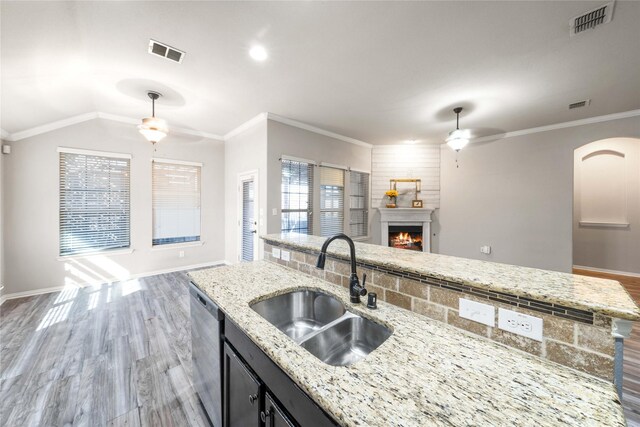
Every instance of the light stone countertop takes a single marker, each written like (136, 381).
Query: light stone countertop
(426, 374)
(602, 296)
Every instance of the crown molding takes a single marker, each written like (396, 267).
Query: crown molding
(300, 125)
(410, 146)
(246, 125)
(17, 136)
(28, 133)
(563, 125)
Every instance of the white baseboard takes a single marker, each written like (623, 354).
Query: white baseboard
(603, 270)
(41, 291)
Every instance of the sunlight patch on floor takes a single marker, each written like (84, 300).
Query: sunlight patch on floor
(94, 298)
(68, 293)
(56, 314)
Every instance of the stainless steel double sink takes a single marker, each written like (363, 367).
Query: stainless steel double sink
(321, 324)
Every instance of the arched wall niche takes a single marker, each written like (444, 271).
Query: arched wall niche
(606, 231)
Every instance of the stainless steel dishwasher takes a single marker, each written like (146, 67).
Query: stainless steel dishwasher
(206, 352)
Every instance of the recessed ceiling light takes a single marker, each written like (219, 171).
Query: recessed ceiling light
(411, 141)
(258, 53)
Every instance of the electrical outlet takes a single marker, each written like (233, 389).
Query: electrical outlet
(485, 249)
(478, 312)
(521, 324)
(275, 252)
(285, 255)
(181, 254)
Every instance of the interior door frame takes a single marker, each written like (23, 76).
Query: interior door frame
(251, 175)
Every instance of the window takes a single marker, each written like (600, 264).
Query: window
(331, 201)
(297, 197)
(176, 202)
(94, 201)
(359, 204)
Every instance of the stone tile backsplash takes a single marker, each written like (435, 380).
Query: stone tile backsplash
(575, 338)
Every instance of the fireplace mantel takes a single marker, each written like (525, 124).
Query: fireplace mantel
(406, 216)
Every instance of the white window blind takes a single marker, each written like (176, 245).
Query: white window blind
(297, 197)
(359, 204)
(331, 201)
(176, 202)
(94, 202)
(248, 220)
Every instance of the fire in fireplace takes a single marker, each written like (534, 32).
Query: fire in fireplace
(406, 237)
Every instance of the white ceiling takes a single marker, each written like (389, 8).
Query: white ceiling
(380, 72)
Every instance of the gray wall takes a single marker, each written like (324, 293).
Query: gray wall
(244, 152)
(516, 194)
(291, 141)
(601, 247)
(30, 188)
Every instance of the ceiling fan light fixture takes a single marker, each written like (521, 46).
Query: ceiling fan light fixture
(458, 138)
(153, 128)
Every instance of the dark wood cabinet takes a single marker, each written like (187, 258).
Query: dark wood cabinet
(242, 392)
(258, 393)
(273, 415)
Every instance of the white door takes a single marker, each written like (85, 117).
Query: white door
(248, 221)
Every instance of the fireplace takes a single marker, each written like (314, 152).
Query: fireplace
(413, 223)
(406, 237)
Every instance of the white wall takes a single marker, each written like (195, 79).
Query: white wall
(30, 188)
(516, 194)
(607, 190)
(404, 161)
(292, 141)
(244, 152)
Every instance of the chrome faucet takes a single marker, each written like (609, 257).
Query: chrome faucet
(356, 290)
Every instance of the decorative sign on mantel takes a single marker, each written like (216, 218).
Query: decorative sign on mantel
(393, 187)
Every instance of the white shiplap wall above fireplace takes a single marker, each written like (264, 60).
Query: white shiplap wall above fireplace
(406, 161)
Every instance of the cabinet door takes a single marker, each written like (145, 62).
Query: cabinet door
(273, 415)
(242, 392)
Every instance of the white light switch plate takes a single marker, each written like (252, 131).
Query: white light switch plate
(478, 312)
(285, 255)
(521, 324)
(275, 252)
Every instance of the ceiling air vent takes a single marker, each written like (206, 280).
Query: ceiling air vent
(593, 18)
(165, 51)
(579, 104)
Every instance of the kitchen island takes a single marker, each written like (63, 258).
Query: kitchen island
(426, 373)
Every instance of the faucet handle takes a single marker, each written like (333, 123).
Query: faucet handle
(360, 289)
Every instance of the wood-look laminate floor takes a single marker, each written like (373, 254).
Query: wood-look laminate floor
(631, 384)
(110, 355)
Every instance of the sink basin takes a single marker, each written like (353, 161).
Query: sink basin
(321, 325)
(347, 341)
(300, 313)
